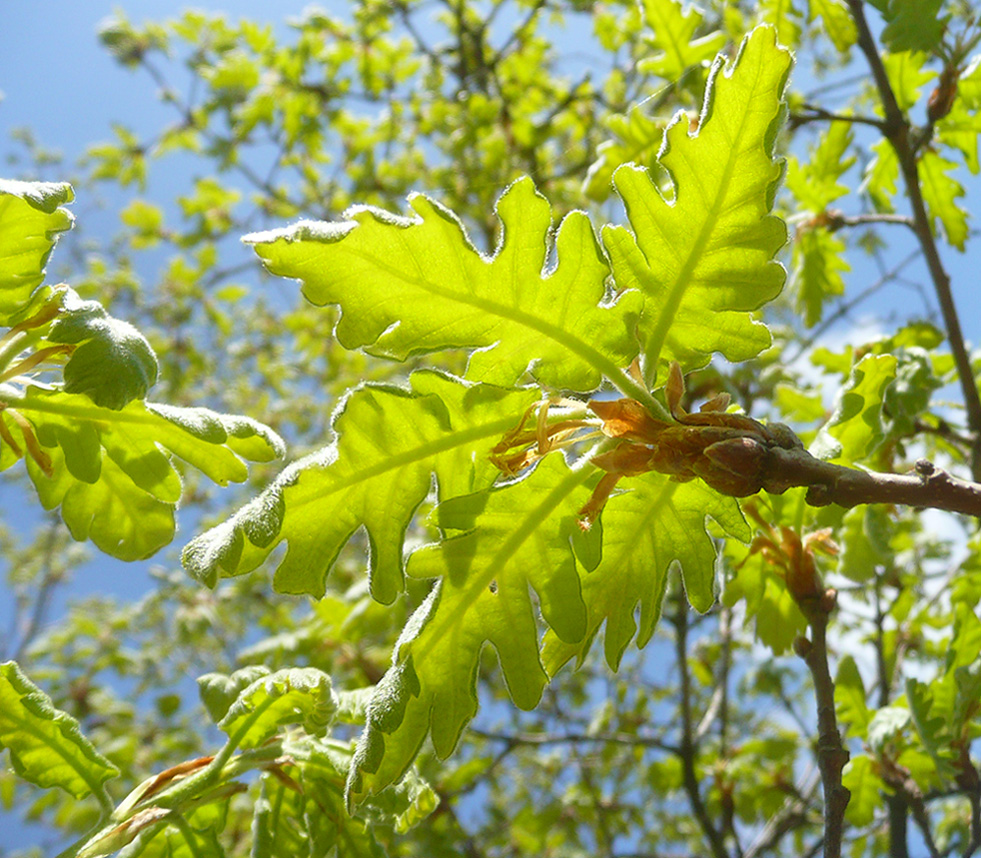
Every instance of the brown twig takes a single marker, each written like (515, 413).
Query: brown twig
(831, 753)
(898, 131)
(688, 751)
(927, 487)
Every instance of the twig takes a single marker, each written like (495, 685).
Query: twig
(688, 751)
(898, 131)
(831, 753)
(813, 113)
(928, 487)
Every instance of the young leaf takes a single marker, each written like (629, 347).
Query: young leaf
(855, 428)
(389, 443)
(819, 258)
(941, 192)
(914, 25)
(46, 745)
(673, 41)
(106, 468)
(838, 21)
(651, 525)
(30, 219)
(499, 544)
(301, 695)
(218, 691)
(415, 285)
(705, 259)
(112, 362)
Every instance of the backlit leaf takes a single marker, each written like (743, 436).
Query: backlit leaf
(704, 260)
(856, 425)
(390, 441)
(299, 695)
(415, 285)
(941, 192)
(46, 745)
(31, 218)
(651, 525)
(675, 49)
(500, 543)
(106, 470)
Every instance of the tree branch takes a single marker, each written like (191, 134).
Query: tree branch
(898, 131)
(688, 751)
(928, 487)
(831, 753)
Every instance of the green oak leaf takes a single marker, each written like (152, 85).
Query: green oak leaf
(855, 428)
(108, 470)
(299, 695)
(704, 259)
(785, 16)
(389, 443)
(498, 544)
(46, 745)
(881, 175)
(776, 616)
(31, 217)
(112, 362)
(850, 697)
(913, 25)
(218, 691)
(815, 180)
(960, 127)
(906, 75)
(651, 525)
(864, 540)
(416, 285)
(861, 778)
(637, 137)
(313, 819)
(838, 22)
(672, 39)
(941, 192)
(819, 260)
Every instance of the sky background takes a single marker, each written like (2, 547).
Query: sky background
(58, 81)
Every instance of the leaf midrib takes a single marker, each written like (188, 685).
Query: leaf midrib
(658, 336)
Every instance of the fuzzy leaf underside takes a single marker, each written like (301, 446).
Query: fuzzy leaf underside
(46, 745)
(301, 695)
(112, 362)
(498, 543)
(417, 285)
(704, 260)
(651, 525)
(106, 470)
(389, 444)
(31, 218)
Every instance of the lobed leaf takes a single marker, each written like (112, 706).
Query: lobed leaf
(299, 695)
(31, 218)
(389, 443)
(855, 428)
(107, 469)
(675, 48)
(941, 192)
(498, 544)
(650, 526)
(704, 260)
(112, 362)
(913, 25)
(46, 744)
(417, 285)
